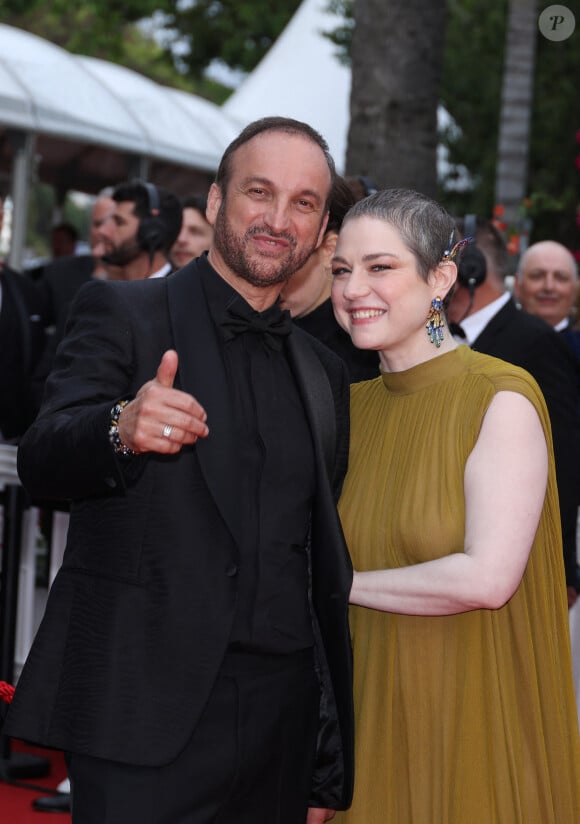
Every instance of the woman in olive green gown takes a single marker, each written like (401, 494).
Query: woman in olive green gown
(465, 708)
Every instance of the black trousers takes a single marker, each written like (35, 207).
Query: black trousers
(249, 760)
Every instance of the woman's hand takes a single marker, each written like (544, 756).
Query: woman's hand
(318, 815)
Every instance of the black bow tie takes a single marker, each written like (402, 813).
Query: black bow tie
(273, 324)
(457, 330)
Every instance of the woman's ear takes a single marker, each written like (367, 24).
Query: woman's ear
(443, 277)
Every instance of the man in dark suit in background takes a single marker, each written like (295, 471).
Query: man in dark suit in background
(491, 323)
(128, 242)
(62, 278)
(546, 285)
(22, 341)
(194, 660)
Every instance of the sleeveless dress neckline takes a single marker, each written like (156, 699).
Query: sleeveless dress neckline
(425, 374)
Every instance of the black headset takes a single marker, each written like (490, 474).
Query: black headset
(368, 185)
(472, 268)
(152, 232)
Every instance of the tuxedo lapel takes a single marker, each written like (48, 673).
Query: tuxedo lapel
(202, 374)
(317, 396)
(495, 327)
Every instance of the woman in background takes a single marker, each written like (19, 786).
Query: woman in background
(465, 707)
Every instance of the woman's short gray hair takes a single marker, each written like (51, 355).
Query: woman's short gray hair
(426, 229)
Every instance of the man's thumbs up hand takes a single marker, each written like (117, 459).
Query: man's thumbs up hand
(167, 369)
(161, 418)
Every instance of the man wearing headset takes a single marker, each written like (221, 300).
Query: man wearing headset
(490, 322)
(140, 232)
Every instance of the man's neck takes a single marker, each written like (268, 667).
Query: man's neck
(144, 266)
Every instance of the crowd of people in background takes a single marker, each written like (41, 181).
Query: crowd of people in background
(459, 504)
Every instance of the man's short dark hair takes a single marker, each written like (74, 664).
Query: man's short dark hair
(197, 202)
(341, 199)
(287, 125)
(67, 229)
(166, 220)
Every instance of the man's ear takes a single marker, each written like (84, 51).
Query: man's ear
(328, 246)
(214, 201)
(322, 230)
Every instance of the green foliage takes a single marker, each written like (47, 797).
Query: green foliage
(471, 93)
(554, 179)
(94, 27)
(341, 35)
(236, 32)
(108, 30)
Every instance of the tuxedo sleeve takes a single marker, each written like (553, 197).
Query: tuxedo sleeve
(552, 365)
(66, 453)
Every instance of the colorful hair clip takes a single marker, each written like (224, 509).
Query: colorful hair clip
(449, 254)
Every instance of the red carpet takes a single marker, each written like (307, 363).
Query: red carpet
(16, 801)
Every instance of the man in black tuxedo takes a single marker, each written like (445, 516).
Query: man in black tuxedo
(194, 660)
(491, 323)
(133, 228)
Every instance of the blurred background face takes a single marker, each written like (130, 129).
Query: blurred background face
(547, 283)
(194, 238)
(310, 286)
(119, 235)
(102, 211)
(62, 243)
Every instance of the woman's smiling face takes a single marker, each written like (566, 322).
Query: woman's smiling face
(378, 293)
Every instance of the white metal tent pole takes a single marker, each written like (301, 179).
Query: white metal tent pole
(138, 167)
(22, 168)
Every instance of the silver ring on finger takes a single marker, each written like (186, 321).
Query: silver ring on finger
(167, 430)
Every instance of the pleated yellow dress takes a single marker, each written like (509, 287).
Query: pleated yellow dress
(469, 718)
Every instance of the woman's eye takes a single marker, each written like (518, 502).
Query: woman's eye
(339, 270)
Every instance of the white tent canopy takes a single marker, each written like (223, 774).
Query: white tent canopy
(78, 122)
(47, 90)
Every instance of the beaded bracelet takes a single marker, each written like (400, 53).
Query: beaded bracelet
(114, 437)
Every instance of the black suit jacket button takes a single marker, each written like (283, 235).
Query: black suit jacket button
(231, 570)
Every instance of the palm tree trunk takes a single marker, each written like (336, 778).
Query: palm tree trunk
(397, 54)
(516, 106)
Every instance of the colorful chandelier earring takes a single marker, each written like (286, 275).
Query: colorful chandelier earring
(435, 323)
